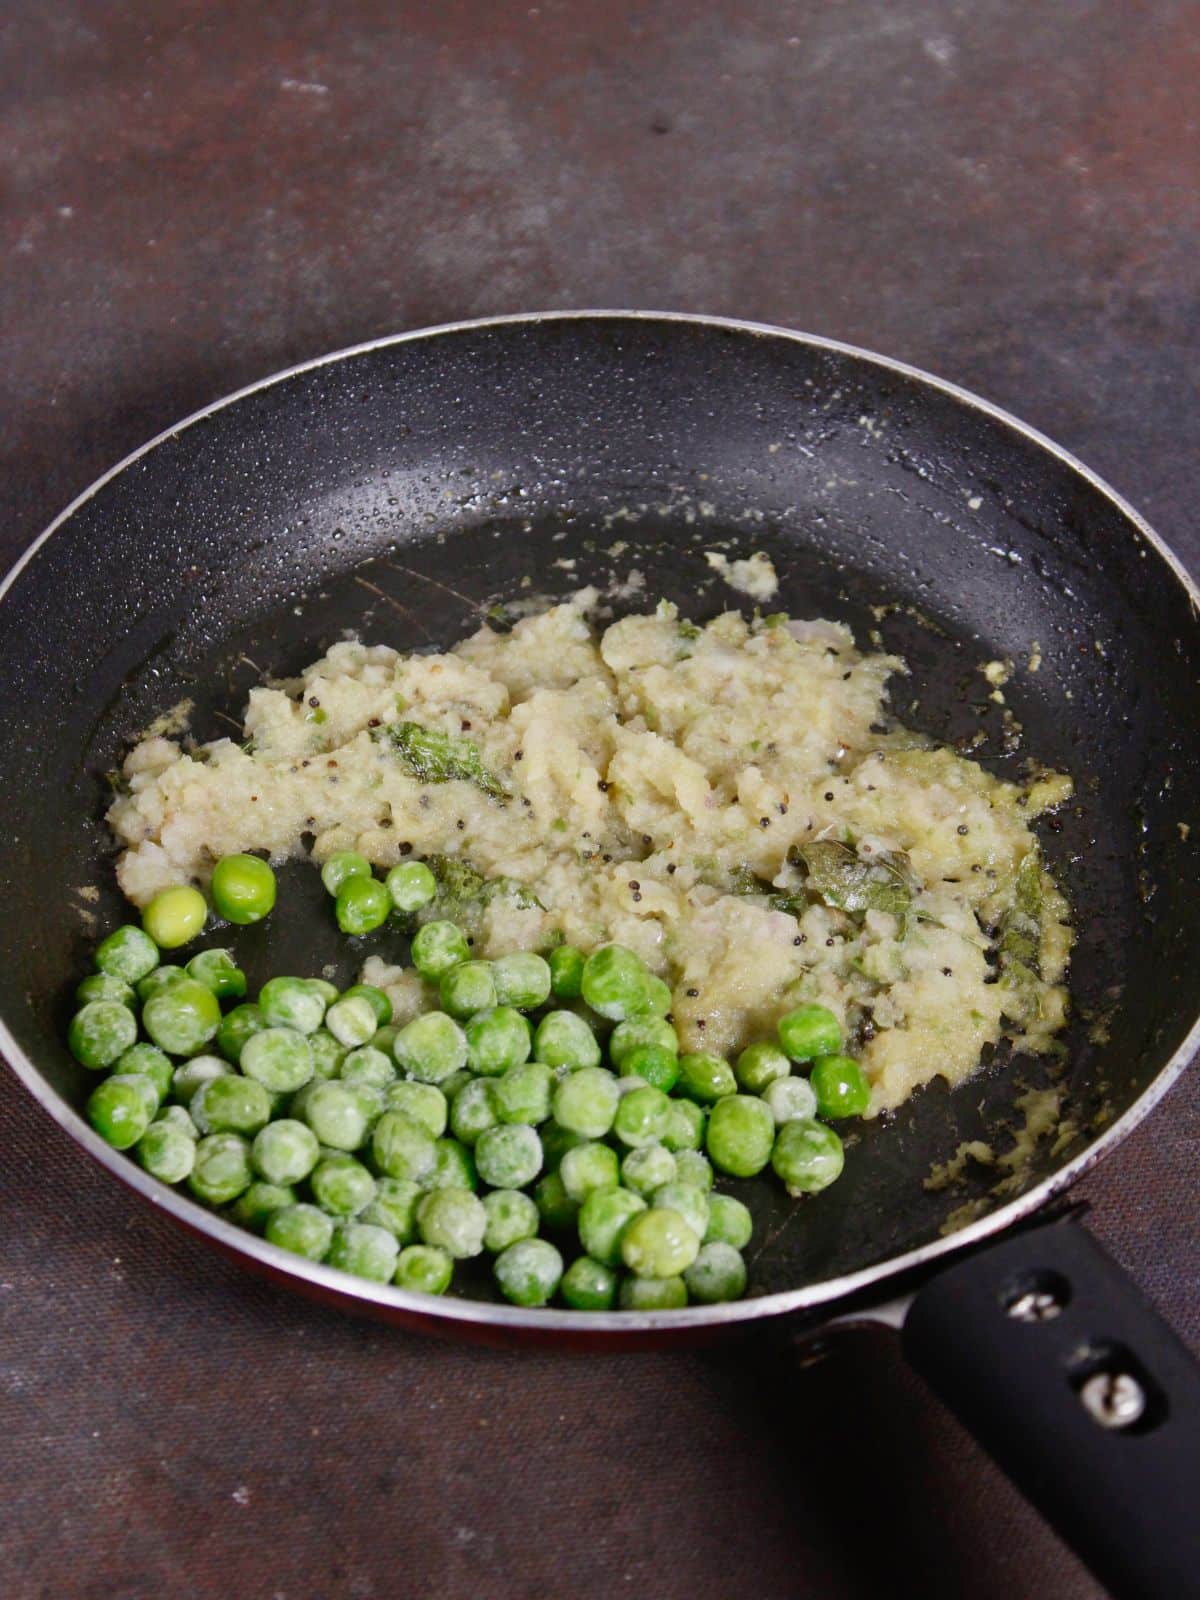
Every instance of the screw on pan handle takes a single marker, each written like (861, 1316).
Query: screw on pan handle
(1051, 1356)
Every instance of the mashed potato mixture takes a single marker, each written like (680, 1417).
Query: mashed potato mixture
(734, 802)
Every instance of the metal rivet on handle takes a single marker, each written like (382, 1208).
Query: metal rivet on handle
(1113, 1399)
(1035, 1305)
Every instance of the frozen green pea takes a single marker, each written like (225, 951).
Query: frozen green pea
(438, 946)
(285, 1151)
(340, 867)
(103, 986)
(652, 1294)
(327, 1054)
(335, 1113)
(230, 1103)
(127, 953)
(351, 1021)
(161, 978)
(365, 1250)
(509, 1216)
(473, 1111)
(100, 1032)
(431, 1047)
(694, 1168)
(370, 1066)
(235, 1028)
(653, 1065)
(808, 1156)
(498, 1039)
(657, 999)
(760, 1065)
(729, 1222)
(522, 980)
(638, 1032)
(166, 1152)
(422, 1103)
(603, 1218)
(565, 1040)
(705, 1078)
(341, 1185)
(659, 1243)
(718, 1273)
(328, 992)
(648, 1168)
(588, 1167)
(523, 1094)
(790, 1098)
(411, 886)
(529, 1272)
(566, 972)
(278, 1059)
(685, 1131)
(291, 1003)
(809, 1031)
(151, 1063)
(177, 1117)
(642, 1117)
(686, 1200)
(452, 1220)
(182, 1019)
(120, 1109)
(221, 1169)
(218, 971)
(467, 988)
(423, 1270)
(555, 1206)
(586, 1102)
(376, 998)
(453, 1167)
(362, 905)
(740, 1135)
(401, 1148)
(255, 1204)
(385, 1038)
(303, 1229)
(841, 1086)
(394, 1207)
(370, 1101)
(556, 1141)
(191, 1075)
(615, 983)
(508, 1156)
(243, 889)
(589, 1285)
(175, 916)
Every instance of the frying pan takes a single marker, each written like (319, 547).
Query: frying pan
(406, 488)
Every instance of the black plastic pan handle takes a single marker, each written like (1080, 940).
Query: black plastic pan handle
(1048, 1352)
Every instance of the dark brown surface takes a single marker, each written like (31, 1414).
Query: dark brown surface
(1007, 193)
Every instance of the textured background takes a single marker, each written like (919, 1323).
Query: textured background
(192, 196)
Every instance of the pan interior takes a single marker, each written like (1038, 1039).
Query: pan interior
(406, 491)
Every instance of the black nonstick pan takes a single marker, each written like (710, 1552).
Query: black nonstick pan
(408, 488)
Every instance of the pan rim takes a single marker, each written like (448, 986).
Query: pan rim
(612, 1325)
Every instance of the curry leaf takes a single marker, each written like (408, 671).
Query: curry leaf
(440, 757)
(842, 878)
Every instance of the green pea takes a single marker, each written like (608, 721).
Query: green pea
(177, 1117)
(411, 886)
(522, 980)
(790, 1098)
(589, 1285)
(453, 1167)
(452, 1220)
(705, 1078)
(588, 1167)
(221, 1169)
(151, 1063)
(729, 1222)
(841, 1086)
(556, 1141)
(394, 1207)
(291, 1003)
(327, 1053)
(175, 916)
(303, 1229)
(509, 1217)
(655, 1066)
(565, 1040)
(376, 998)
(808, 1156)
(370, 1066)
(438, 946)
(351, 1021)
(657, 998)
(101, 1031)
(685, 1131)
(473, 1111)
(362, 905)
(243, 889)
(336, 1114)
(103, 986)
(509, 1156)
(235, 1028)
(643, 1117)
(718, 1273)
(127, 953)
(615, 983)
(365, 1250)
(183, 1018)
(555, 1206)
(191, 1075)
(653, 1294)
(402, 1148)
(218, 971)
(328, 992)
(808, 1031)
(529, 1272)
(691, 1167)
(120, 1109)
(523, 1094)
(431, 1047)
(498, 1040)
(741, 1135)
(230, 1103)
(285, 1151)
(647, 1169)
(603, 1218)
(659, 1243)
(161, 978)
(341, 1185)
(279, 1059)
(422, 1270)
(760, 1065)
(166, 1152)
(467, 988)
(566, 972)
(422, 1103)
(341, 867)
(629, 1036)
(255, 1204)
(586, 1102)
(687, 1200)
